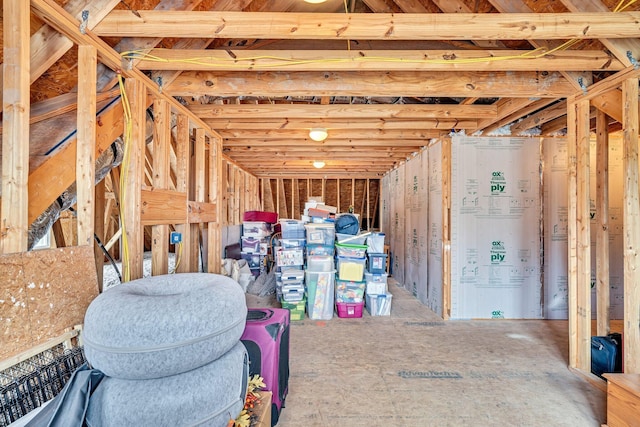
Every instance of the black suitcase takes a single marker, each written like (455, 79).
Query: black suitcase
(606, 354)
(266, 338)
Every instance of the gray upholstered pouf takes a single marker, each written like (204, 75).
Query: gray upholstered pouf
(163, 325)
(208, 396)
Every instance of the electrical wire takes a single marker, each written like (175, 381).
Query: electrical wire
(178, 257)
(128, 129)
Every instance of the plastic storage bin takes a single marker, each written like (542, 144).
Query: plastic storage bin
(375, 241)
(296, 310)
(349, 291)
(358, 239)
(351, 268)
(250, 244)
(320, 250)
(292, 243)
(376, 283)
(288, 257)
(320, 290)
(349, 309)
(351, 250)
(377, 263)
(320, 263)
(257, 229)
(292, 229)
(379, 305)
(321, 234)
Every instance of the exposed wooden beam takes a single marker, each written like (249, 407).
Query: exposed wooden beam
(624, 49)
(86, 144)
(161, 178)
(47, 45)
(343, 111)
(371, 83)
(395, 135)
(342, 124)
(612, 82)
(631, 226)
(579, 80)
(540, 118)
(525, 109)
(286, 150)
(380, 26)
(15, 138)
(54, 15)
(317, 173)
(362, 144)
(583, 290)
(376, 60)
(603, 290)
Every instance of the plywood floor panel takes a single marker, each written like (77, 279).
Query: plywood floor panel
(413, 369)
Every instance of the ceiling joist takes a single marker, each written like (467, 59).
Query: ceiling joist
(376, 60)
(369, 26)
(370, 83)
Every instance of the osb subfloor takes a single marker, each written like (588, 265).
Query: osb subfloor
(413, 369)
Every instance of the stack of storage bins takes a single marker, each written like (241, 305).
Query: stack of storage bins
(320, 272)
(378, 298)
(254, 244)
(350, 285)
(289, 256)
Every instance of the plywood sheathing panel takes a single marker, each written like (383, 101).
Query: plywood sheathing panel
(42, 293)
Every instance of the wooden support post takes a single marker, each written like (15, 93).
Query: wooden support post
(572, 234)
(161, 179)
(99, 213)
(338, 192)
(224, 190)
(237, 193)
(324, 190)
(368, 207)
(214, 253)
(294, 214)
(583, 218)
(132, 178)
(85, 146)
(58, 234)
(446, 228)
(262, 194)
(353, 193)
(15, 133)
(631, 225)
(278, 198)
(603, 290)
(198, 184)
(183, 155)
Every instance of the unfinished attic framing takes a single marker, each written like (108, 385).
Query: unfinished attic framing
(214, 124)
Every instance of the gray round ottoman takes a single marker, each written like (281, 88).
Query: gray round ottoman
(163, 325)
(207, 396)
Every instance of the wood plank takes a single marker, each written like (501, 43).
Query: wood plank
(631, 226)
(603, 290)
(356, 136)
(374, 60)
(161, 178)
(57, 17)
(131, 183)
(183, 154)
(215, 253)
(85, 146)
(15, 137)
(378, 26)
(505, 108)
(621, 48)
(572, 234)
(623, 399)
(462, 84)
(99, 230)
(47, 45)
(335, 141)
(539, 118)
(443, 124)
(526, 109)
(583, 219)
(163, 207)
(446, 227)
(343, 111)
